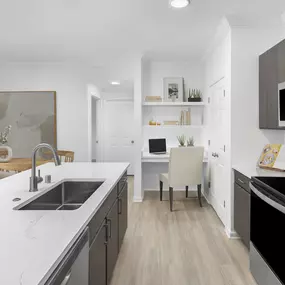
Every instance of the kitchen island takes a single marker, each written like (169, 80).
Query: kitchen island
(34, 242)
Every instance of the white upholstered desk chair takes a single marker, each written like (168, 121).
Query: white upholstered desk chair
(185, 169)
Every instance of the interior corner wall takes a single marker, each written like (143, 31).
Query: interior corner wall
(247, 139)
(70, 83)
(155, 71)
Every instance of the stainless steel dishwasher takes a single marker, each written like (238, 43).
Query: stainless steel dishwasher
(74, 268)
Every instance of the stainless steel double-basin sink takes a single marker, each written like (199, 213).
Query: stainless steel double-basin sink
(69, 195)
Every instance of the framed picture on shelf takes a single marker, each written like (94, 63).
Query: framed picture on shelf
(173, 89)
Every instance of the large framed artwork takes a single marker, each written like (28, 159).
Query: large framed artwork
(173, 89)
(32, 116)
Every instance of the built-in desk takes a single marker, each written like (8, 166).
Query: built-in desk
(154, 164)
(161, 158)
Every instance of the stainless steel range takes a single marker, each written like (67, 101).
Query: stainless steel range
(267, 230)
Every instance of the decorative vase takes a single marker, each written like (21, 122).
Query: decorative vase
(5, 153)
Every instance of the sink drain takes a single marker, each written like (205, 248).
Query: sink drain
(16, 199)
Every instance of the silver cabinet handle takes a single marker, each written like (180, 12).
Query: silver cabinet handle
(240, 181)
(66, 279)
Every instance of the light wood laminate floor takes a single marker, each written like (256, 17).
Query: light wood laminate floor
(185, 247)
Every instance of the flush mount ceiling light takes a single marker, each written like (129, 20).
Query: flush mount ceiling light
(115, 82)
(179, 3)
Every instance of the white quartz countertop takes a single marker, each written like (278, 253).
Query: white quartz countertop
(251, 170)
(32, 243)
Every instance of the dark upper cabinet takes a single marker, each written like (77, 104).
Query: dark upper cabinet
(271, 73)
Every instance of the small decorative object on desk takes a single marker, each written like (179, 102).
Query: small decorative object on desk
(195, 95)
(190, 141)
(5, 151)
(173, 89)
(181, 140)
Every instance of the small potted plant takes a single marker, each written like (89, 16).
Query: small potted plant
(181, 140)
(195, 95)
(190, 141)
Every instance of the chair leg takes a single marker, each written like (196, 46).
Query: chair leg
(171, 198)
(160, 189)
(187, 191)
(200, 195)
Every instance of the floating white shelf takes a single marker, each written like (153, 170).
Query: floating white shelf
(174, 126)
(175, 104)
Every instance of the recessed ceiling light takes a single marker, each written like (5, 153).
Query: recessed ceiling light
(179, 3)
(115, 82)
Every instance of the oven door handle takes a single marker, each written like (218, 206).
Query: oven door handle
(266, 199)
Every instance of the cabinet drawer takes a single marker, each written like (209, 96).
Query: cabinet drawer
(122, 182)
(96, 221)
(242, 181)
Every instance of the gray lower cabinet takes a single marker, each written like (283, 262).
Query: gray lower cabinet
(123, 213)
(113, 236)
(98, 258)
(242, 208)
(107, 229)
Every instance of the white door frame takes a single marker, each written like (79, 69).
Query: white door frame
(92, 93)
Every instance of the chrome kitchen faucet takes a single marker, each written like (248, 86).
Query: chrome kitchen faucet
(34, 180)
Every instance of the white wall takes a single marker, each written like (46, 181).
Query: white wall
(247, 139)
(155, 71)
(153, 74)
(129, 68)
(70, 84)
(241, 71)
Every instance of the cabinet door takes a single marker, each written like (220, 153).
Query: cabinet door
(98, 258)
(112, 247)
(123, 213)
(242, 214)
(263, 91)
(271, 82)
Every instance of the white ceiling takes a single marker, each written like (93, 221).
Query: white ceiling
(97, 31)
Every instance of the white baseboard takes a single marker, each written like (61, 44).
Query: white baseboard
(207, 198)
(137, 199)
(231, 234)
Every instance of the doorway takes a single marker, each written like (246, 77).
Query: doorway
(218, 150)
(118, 132)
(95, 151)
